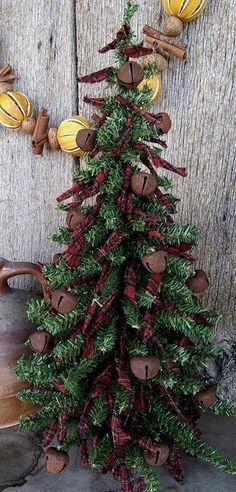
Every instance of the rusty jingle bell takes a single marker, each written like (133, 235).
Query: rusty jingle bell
(155, 262)
(163, 124)
(145, 368)
(55, 461)
(160, 458)
(130, 75)
(86, 139)
(207, 398)
(143, 184)
(63, 301)
(74, 218)
(41, 342)
(198, 282)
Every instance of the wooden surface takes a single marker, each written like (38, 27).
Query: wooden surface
(47, 43)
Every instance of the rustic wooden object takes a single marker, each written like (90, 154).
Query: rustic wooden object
(197, 95)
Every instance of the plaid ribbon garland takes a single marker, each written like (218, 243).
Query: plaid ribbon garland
(119, 436)
(48, 434)
(104, 274)
(102, 382)
(63, 418)
(84, 460)
(150, 218)
(157, 161)
(98, 102)
(148, 327)
(122, 144)
(58, 383)
(112, 242)
(90, 191)
(135, 51)
(174, 464)
(67, 194)
(130, 281)
(95, 77)
(120, 36)
(163, 199)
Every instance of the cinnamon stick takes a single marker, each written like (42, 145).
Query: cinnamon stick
(157, 38)
(40, 135)
(6, 73)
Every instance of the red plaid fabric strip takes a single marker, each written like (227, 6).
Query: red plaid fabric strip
(104, 274)
(91, 191)
(95, 77)
(146, 444)
(153, 283)
(157, 234)
(48, 434)
(63, 418)
(106, 306)
(102, 382)
(130, 281)
(175, 251)
(119, 436)
(148, 326)
(98, 102)
(89, 347)
(58, 383)
(84, 460)
(148, 217)
(84, 427)
(74, 189)
(157, 161)
(174, 464)
(130, 206)
(123, 378)
(112, 242)
(120, 36)
(123, 475)
(124, 140)
(91, 312)
(163, 199)
(135, 51)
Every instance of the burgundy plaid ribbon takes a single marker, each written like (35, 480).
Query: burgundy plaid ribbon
(163, 199)
(95, 77)
(90, 191)
(122, 144)
(58, 383)
(119, 436)
(123, 198)
(112, 242)
(174, 464)
(120, 36)
(176, 251)
(157, 234)
(84, 460)
(130, 206)
(130, 281)
(89, 347)
(154, 119)
(102, 382)
(96, 313)
(157, 161)
(123, 378)
(67, 194)
(105, 272)
(63, 418)
(148, 217)
(135, 51)
(148, 326)
(98, 102)
(153, 284)
(48, 434)
(146, 444)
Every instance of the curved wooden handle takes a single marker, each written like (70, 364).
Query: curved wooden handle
(10, 269)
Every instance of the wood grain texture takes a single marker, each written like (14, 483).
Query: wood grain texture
(41, 44)
(198, 95)
(38, 41)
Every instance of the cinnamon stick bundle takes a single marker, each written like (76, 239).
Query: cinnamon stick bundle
(163, 43)
(6, 73)
(40, 135)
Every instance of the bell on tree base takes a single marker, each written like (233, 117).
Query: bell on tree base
(207, 398)
(55, 461)
(63, 301)
(74, 218)
(173, 26)
(155, 262)
(160, 458)
(41, 342)
(145, 368)
(130, 75)
(198, 282)
(143, 184)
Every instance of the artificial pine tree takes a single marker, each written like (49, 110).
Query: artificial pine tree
(122, 341)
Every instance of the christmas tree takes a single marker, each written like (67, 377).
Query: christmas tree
(122, 340)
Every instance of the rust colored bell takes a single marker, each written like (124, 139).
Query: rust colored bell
(160, 458)
(41, 342)
(74, 218)
(155, 262)
(86, 139)
(63, 301)
(55, 461)
(164, 123)
(207, 398)
(143, 184)
(145, 367)
(130, 75)
(198, 282)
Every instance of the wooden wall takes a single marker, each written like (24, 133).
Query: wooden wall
(48, 43)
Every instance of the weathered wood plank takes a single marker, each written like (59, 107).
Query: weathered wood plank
(198, 96)
(38, 41)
